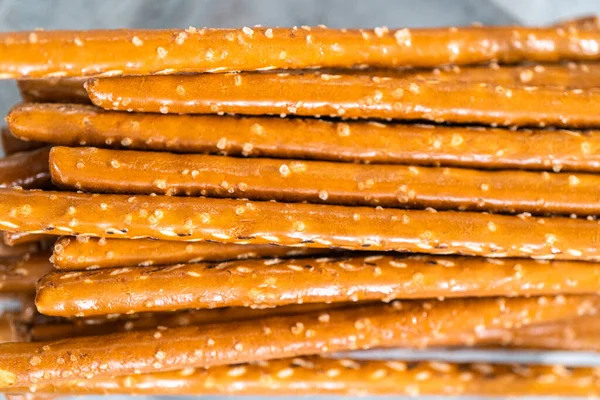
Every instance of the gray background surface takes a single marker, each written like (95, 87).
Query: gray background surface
(89, 14)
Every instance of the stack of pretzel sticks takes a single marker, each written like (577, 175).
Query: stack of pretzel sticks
(233, 207)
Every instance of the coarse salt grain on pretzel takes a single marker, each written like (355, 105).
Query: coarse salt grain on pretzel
(307, 225)
(42, 54)
(316, 375)
(406, 324)
(53, 90)
(92, 253)
(345, 183)
(372, 142)
(271, 283)
(27, 169)
(349, 96)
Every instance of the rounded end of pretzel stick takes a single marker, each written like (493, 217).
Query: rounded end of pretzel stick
(16, 118)
(56, 174)
(7, 378)
(90, 87)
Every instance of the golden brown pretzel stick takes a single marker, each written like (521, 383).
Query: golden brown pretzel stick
(581, 333)
(584, 22)
(573, 334)
(308, 225)
(406, 324)
(21, 275)
(344, 183)
(94, 326)
(12, 145)
(9, 329)
(53, 90)
(270, 283)
(11, 251)
(27, 169)
(312, 139)
(114, 52)
(93, 253)
(349, 96)
(18, 238)
(316, 375)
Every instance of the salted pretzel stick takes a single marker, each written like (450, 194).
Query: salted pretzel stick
(407, 324)
(348, 96)
(7, 251)
(21, 275)
(311, 139)
(584, 22)
(270, 283)
(9, 331)
(307, 225)
(94, 326)
(38, 54)
(344, 183)
(53, 90)
(28, 169)
(19, 238)
(12, 145)
(581, 333)
(93, 253)
(316, 375)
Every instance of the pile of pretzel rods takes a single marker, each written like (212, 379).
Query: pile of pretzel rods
(207, 211)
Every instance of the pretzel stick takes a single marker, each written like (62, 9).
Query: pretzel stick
(94, 326)
(350, 96)
(21, 275)
(344, 183)
(261, 283)
(315, 375)
(18, 238)
(12, 145)
(577, 334)
(53, 90)
(94, 253)
(308, 225)
(27, 169)
(7, 251)
(584, 22)
(38, 54)
(406, 324)
(71, 90)
(311, 139)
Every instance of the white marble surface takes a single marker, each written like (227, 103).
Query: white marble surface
(88, 14)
